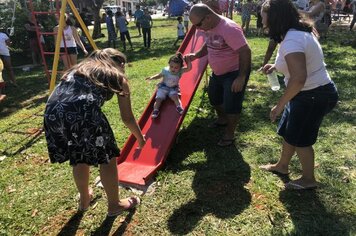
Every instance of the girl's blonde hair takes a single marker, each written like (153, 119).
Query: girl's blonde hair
(104, 68)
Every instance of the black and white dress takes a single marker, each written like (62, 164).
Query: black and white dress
(76, 129)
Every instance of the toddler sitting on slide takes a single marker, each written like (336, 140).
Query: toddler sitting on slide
(169, 86)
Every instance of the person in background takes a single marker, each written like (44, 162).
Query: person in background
(121, 25)
(111, 29)
(2, 83)
(130, 14)
(77, 130)
(33, 41)
(316, 12)
(5, 42)
(309, 95)
(302, 4)
(103, 18)
(229, 57)
(259, 24)
(180, 31)
(246, 11)
(146, 24)
(353, 4)
(137, 15)
(186, 19)
(69, 43)
(169, 86)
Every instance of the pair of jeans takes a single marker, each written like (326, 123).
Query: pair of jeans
(220, 93)
(302, 116)
(146, 37)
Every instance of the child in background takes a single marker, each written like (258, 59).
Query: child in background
(2, 83)
(169, 86)
(146, 25)
(180, 30)
(137, 15)
(5, 42)
(69, 43)
(111, 29)
(121, 26)
(186, 19)
(246, 11)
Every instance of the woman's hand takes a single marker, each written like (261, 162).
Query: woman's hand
(275, 112)
(142, 142)
(267, 69)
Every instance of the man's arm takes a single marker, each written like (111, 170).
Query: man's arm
(244, 68)
(203, 51)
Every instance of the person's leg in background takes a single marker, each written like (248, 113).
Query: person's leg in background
(8, 66)
(2, 82)
(144, 32)
(149, 37)
(353, 22)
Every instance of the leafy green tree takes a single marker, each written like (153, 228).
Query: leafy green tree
(94, 7)
(151, 3)
(163, 2)
(22, 14)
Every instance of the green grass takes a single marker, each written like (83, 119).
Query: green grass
(202, 189)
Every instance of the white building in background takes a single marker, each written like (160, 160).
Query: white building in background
(127, 4)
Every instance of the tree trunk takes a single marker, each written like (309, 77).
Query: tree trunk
(97, 23)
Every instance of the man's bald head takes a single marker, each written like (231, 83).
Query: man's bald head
(200, 10)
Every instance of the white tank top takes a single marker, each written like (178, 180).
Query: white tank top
(68, 37)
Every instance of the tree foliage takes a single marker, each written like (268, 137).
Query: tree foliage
(22, 14)
(94, 7)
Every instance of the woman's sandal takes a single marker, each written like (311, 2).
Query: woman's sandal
(125, 205)
(91, 197)
(269, 168)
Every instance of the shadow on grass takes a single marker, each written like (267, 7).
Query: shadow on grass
(29, 93)
(309, 215)
(71, 227)
(218, 182)
(106, 225)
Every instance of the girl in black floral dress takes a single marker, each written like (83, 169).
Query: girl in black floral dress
(77, 130)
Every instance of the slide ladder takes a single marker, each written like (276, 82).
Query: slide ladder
(137, 166)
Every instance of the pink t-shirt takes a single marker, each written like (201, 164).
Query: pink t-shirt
(223, 42)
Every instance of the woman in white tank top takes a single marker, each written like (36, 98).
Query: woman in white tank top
(69, 43)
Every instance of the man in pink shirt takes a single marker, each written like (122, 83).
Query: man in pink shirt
(229, 57)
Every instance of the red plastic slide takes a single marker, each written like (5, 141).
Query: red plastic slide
(137, 166)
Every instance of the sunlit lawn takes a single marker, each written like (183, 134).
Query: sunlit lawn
(202, 189)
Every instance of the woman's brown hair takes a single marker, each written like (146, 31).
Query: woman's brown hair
(104, 68)
(282, 16)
